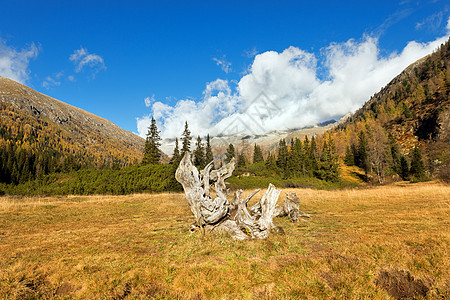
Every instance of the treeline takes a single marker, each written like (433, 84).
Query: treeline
(296, 163)
(135, 179)
(379, 155)
(293, 159)
(398, 131)
(31, 148)
(19, 164)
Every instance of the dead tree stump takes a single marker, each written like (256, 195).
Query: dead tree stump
(291, 208)
(219, 214)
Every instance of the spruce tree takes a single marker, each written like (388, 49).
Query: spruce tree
(152, 154)
(306, 161)
(329, 166)
(395, 154)
(404, 168)
(230, 153)
(186, 140)
(312, 156)
(271, 163)
(209, 157)
(241, 161)
(349, 158)
(417, 166)
(176, 154)
(199, 154)
(298, 157)
(363, 153)
(257, 154)
(283, 156)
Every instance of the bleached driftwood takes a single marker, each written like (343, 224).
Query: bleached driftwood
(219, 214)
(291, 209)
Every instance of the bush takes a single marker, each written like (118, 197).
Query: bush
(135, 179)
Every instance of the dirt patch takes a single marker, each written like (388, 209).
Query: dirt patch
(332, 280)
(266, 291)
(281, 261)
(401, 284)
(64, 289)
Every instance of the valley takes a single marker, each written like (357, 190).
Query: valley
(357, 243)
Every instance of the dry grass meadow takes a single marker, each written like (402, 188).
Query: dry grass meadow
(373, 243)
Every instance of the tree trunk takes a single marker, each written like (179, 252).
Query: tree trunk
(219, 214)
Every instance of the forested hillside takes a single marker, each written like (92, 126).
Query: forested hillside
(410, 117)
(40, 135)
(401, 133)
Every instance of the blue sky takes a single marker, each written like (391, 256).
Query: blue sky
(193, 58)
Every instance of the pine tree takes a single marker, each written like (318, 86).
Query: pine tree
(299, 157)
(306, 161)
(363, 153)
(186, 140)
(282, 156)
(349, 158)
(152, 154)
(230, 153)
(312, 156)
(176, 154)
(241, 161)
(404, 168)
(199, 154)
(271, 163)
(329, 165)
(417, 166)
(209, 157)
(395, 154)
(257, 154)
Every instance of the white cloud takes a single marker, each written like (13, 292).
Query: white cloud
(49, 82)
(53, 80)
(71, 78)
(218, 102)
(251, 53)
(149, 100)
(432, 23)
(283, 91)
(14, 63)
(223, 63)
(82, 58)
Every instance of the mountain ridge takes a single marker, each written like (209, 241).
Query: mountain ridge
(10, 92)
(40, 135)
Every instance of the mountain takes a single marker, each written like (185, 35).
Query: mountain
(245, 142)
(414, 108)
(39, 135)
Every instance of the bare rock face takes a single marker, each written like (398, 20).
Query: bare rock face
(217, 213)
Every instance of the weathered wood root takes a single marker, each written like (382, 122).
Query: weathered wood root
(196, 188)
(291, 209)
(219, 214)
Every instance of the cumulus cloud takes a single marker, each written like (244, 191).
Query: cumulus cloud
(14, 63)
(83, 59)
(223, 63)
(218, 102)
(283, 91)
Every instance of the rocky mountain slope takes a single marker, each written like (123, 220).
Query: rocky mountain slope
(36, 123)
(415, 109)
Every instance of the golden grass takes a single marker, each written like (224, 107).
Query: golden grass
(139, 246)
